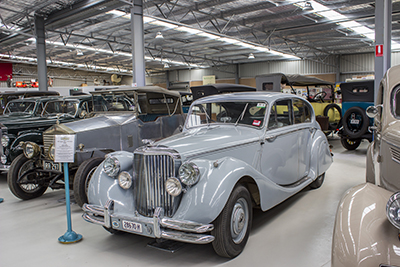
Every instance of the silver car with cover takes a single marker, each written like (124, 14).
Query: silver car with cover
(236, 152)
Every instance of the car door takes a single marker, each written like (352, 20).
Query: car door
(285, 156)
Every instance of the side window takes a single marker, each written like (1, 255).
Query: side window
(280, 114)
(301, 110)
(39, 109)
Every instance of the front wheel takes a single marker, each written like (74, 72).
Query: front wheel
(31, 186)
(232, 227)
(82, 179)
(350, 144)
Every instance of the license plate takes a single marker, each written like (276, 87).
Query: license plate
(354, 121)
(132, 226)
(49, 165)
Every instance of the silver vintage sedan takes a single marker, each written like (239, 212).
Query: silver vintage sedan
(236, 152)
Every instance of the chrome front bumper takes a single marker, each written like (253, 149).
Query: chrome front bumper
(156, 227)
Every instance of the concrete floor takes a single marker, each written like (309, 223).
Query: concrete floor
(295, 233)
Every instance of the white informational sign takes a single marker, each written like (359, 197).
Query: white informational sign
(64, 148)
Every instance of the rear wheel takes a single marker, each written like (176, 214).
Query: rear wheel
(31, 186)
(318, 182)
(82, 179)
(350, 144)
(232, 227)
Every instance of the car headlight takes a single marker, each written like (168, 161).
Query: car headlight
(125, 180)
(189, 173)
(31, 150)
(5, 140)
(173, 186)
(52, 151)
(111, 166)
(393, 210)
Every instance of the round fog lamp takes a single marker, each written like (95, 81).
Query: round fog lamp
(31, 150)
(393, 210)
(125, 180)
(111, 166)
(189, 173)
(4, 140)
(173, 186)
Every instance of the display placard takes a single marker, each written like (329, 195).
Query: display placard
(64, 146)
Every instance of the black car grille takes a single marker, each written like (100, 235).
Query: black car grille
(151, 172)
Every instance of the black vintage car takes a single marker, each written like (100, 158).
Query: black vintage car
(132, 117)
(9, 96)
(25, 120)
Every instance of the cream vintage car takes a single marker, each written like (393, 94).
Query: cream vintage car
(367, 222)
(236, 152)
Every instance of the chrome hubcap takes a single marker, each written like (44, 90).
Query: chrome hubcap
(239, 220)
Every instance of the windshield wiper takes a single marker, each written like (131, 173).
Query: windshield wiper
(207, 117)
(241, 115)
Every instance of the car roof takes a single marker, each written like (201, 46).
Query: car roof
(248, 96)
(141, 89)
(30, 93)
(36, 98)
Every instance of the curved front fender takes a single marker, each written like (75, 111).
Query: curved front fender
(33, 136)
(362, 235)
(204, 201)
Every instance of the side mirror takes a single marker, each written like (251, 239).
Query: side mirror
(372, 111)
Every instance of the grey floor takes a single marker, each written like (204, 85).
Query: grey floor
(295, 233)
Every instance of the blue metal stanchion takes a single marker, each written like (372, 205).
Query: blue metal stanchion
(70, 236)
(1, 200)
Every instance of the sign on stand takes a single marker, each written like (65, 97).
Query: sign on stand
(64, 146)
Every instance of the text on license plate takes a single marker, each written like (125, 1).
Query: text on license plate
(354, 121)
(49, 165)
(132, 226)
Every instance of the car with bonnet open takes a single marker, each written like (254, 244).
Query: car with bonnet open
(367, 224)
(120, 119)
(236, 152)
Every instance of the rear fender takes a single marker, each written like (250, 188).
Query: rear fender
(321, 157)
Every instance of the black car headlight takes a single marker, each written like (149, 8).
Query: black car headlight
(31, 150)
(111, 166)
(393, 210)
(5, 140)
(189, 173)
(51, 152)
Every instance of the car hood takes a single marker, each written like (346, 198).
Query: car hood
(207, 139)
(97, 122)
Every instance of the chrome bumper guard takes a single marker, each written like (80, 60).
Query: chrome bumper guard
(156, 227)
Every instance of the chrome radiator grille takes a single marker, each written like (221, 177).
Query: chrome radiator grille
(47, 141)
(395, 152)
(151, 172)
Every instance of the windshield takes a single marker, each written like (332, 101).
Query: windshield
(249, 113)
(113, 102)
(67, 107)
(20, 107)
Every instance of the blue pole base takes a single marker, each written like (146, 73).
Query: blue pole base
(1, 200)
(70, 237)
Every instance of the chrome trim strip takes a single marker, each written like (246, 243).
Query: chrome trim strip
(222, 149)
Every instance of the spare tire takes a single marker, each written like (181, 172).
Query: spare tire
(333, 126)
(355, 122)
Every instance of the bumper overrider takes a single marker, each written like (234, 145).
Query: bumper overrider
(157, 226)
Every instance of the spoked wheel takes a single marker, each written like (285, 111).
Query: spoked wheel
(82, 179)
(232, 227)
(31, 186)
